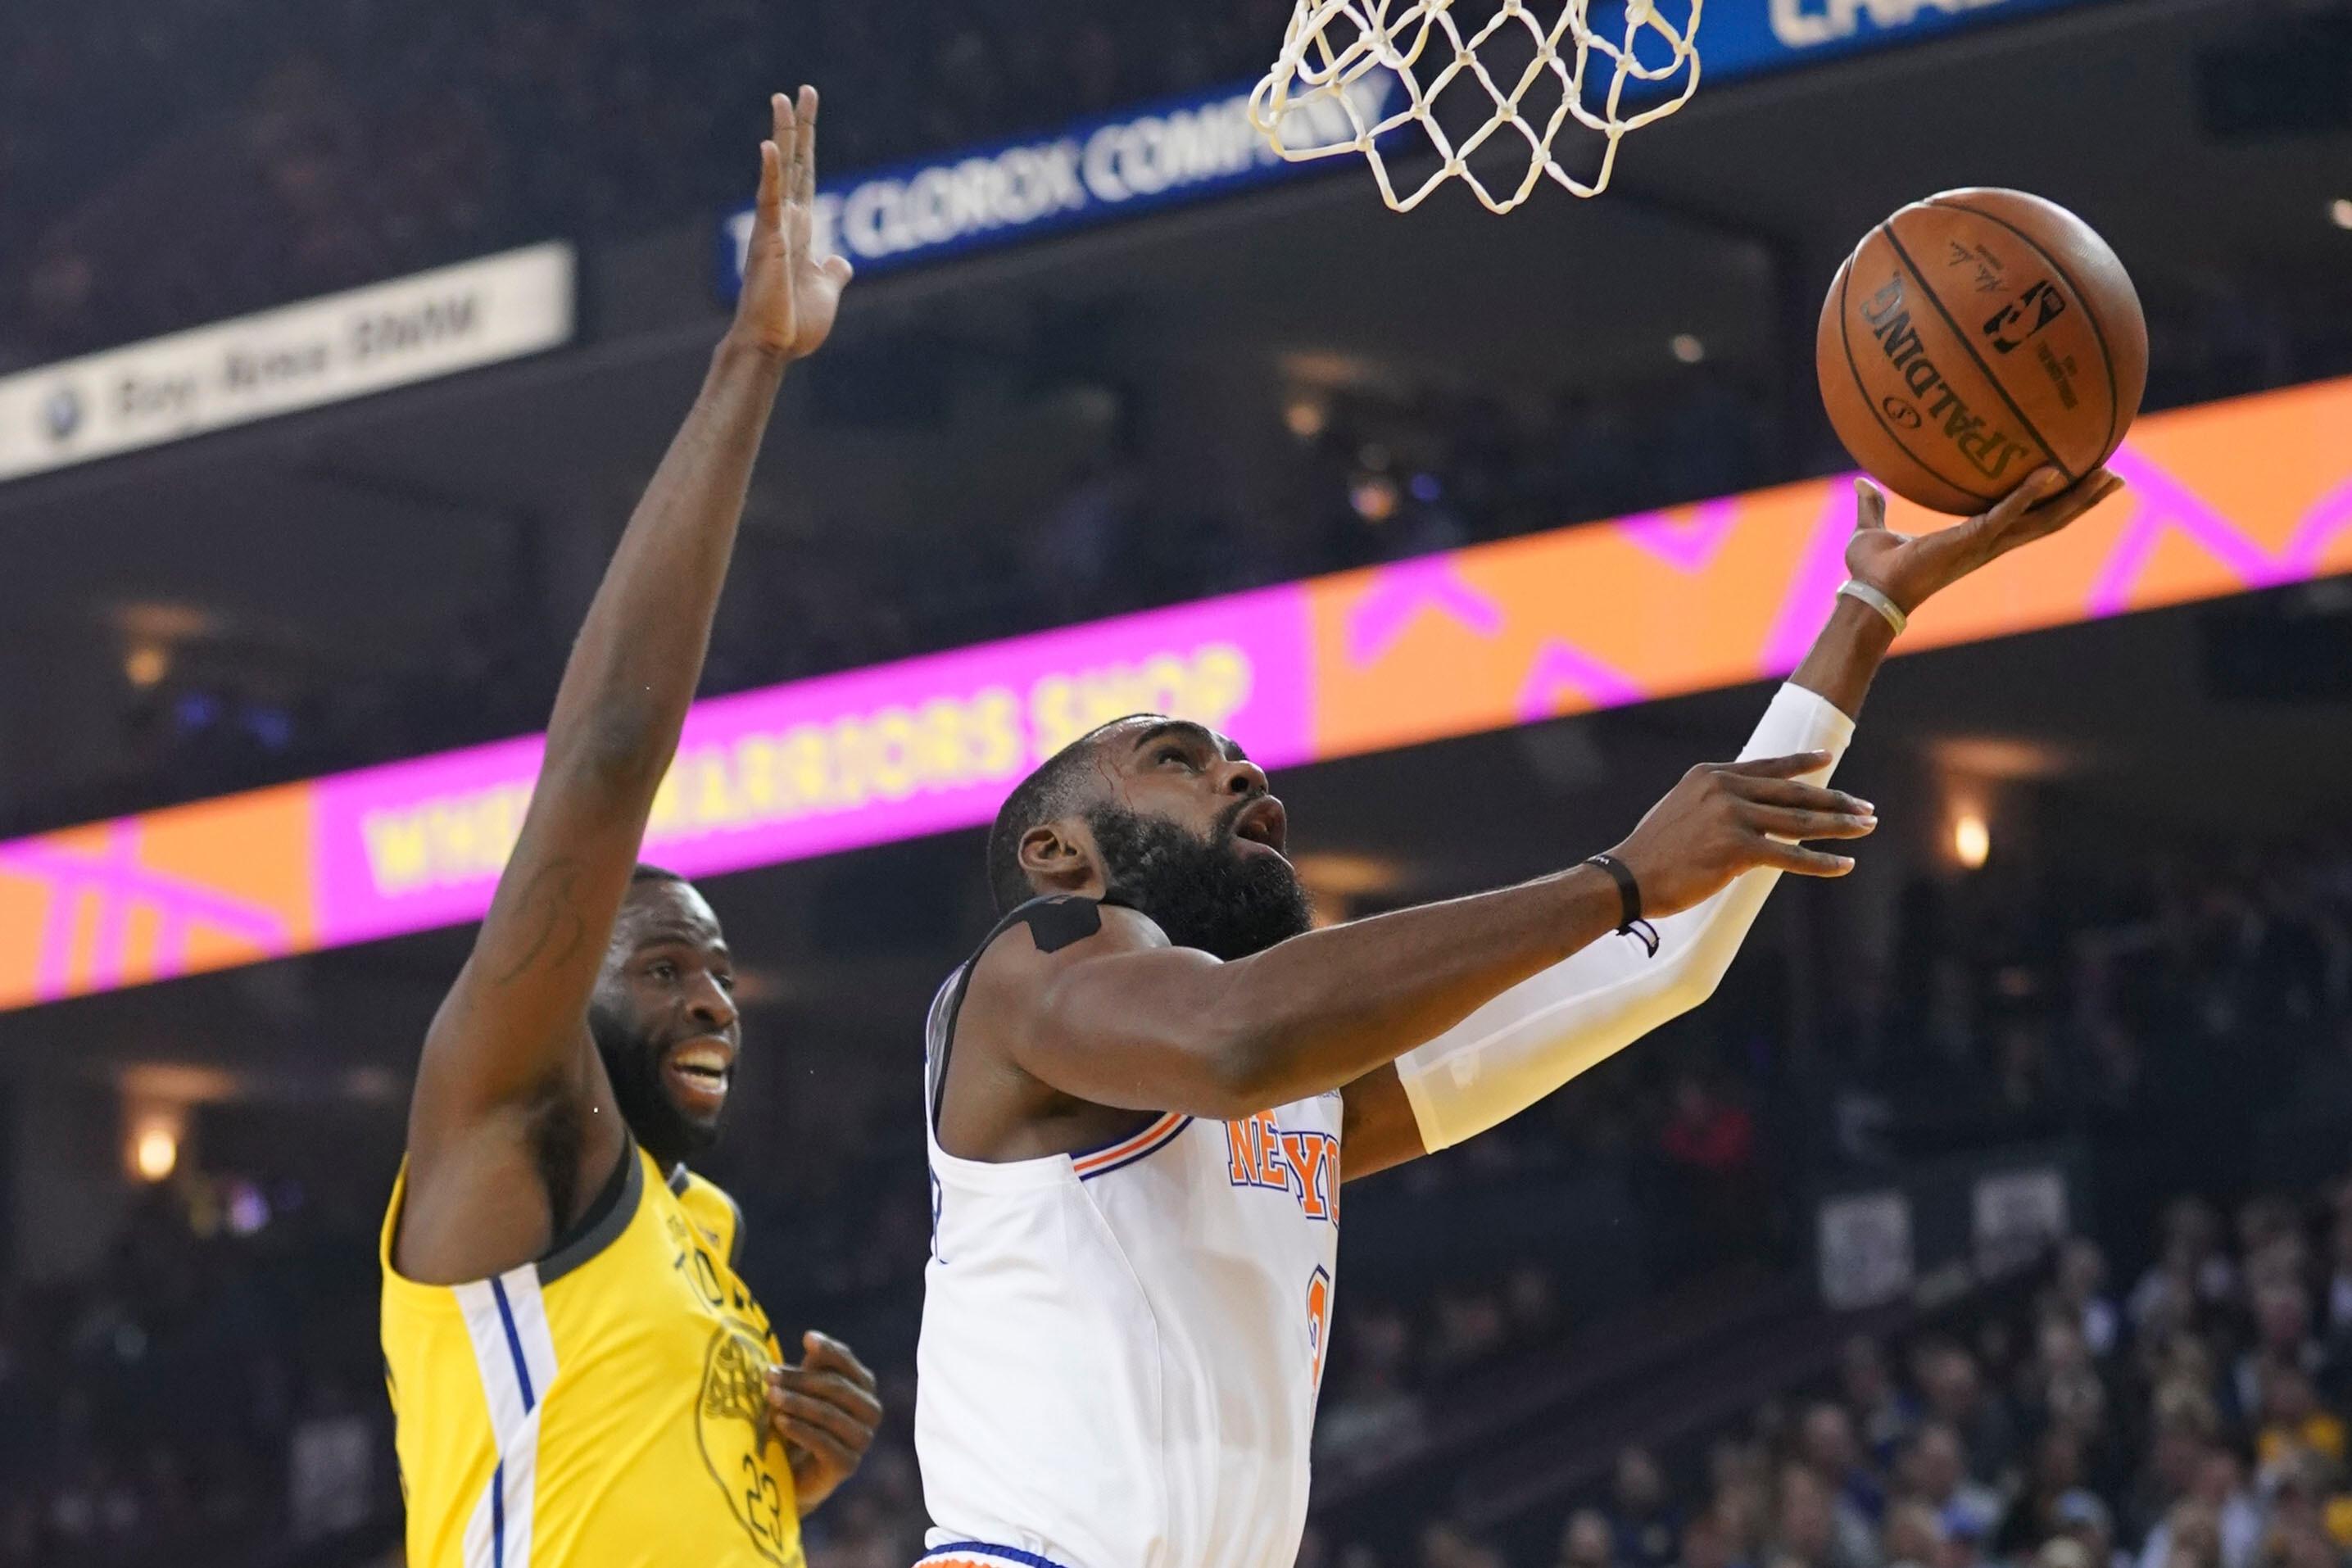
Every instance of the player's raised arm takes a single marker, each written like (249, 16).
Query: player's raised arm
(1120, 1016)
(1539, 1035)
(508, 1053)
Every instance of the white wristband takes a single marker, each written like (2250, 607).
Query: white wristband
(1864, 593)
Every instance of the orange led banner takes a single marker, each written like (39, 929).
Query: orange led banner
(2239, 495)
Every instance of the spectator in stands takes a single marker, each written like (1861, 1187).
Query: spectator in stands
(1883, 1414)
(1804, 1525)
(2217, 1524)
(1372, 1414)
(2186, 1423)
(2082, 1517)
(1954, 1392)
(2081, 1281)
(1589, 1541)
(1934, 1471)
(2293, 1421)
(1446, 1545)
(1709, 1144)
(2189, 1537)
(2191, 1272)
(2282, 1341)
(1825, 1441)
(1707, 1542)
(1643, 1518)
(2340, 1278)
(1915, 1536)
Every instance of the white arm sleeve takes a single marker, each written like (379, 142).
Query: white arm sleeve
(1592, 1004)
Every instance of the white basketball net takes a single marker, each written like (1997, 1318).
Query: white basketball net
(1332, 90)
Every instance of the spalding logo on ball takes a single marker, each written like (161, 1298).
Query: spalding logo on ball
(1974, 337)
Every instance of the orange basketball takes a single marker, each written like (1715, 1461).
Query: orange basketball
(1972, 338)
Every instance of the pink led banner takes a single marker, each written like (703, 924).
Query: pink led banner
(2239, 495)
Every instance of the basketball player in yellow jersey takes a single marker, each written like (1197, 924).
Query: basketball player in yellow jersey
(580, 1376)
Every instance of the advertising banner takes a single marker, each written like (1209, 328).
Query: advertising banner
(2247, 494)
(1095, 171)
(283, 360)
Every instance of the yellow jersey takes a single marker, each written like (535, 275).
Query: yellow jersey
(606, 1406)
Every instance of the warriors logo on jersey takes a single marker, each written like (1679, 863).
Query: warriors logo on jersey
(605, 1404)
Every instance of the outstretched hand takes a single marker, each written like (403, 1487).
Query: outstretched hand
(1910, 570)
(1725, 818)
(790, 294)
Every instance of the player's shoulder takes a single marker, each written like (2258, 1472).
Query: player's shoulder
(712, 1208)
(1047, 931)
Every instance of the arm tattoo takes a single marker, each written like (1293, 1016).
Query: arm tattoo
(547, 919)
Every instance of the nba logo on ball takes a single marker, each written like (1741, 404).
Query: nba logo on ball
(1975, 337)
(62, 412)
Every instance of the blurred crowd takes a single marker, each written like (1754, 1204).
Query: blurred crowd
(2176, 1007)
(2190, 1417)
(210, 1397)
(212, 1390)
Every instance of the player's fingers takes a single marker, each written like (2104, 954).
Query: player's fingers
(1787, 822)
(838, 268)
(830, 1388)
(771, 184)
(807, 116)
(823, 1351)
(783, 121)
(833, 1388)
(1869, 506)
(1787, 767)
(1804, 862)
(2060, 510)
(799, 1410)
(2040, 485)
(1800, 795)
(788, 137)
(2089, 491)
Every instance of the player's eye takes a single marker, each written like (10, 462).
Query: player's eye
(1175, 754)
(663, 970)
(726, 982)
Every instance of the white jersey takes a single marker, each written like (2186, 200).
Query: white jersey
(1121, 1348)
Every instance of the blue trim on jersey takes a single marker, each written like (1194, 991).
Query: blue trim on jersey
(499, 1510)
(514, 1344)
(1143, 1154)
(1010, 1553)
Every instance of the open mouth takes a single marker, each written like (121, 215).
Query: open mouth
(700, 1072)
(1264, 823)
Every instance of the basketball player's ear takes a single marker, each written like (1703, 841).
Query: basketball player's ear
(1059, 856)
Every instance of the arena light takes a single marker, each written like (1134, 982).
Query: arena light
(1374, 498)
(154, 1151)
(1971, 841)
(1687, 348)
(146, 665)
(2339, 212)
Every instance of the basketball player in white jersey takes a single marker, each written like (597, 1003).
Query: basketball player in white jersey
(1146, 1088)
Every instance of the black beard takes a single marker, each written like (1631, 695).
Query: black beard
(633, 1063)
(1204, 893)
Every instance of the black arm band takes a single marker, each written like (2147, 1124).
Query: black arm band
(1629, 898)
